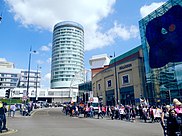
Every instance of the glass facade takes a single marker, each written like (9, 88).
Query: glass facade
(67, 53)
(160, 39)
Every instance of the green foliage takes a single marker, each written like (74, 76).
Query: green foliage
(12, 101)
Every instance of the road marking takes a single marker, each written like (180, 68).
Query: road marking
(10, 131)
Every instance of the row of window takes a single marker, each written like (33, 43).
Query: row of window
(33, 84)
(8, 80)
(72, 49)
(66, 66)
(69, 60)
(57, 46)
(8, 75)
(125, 80)
(68, 37)
(65, 52)
(8, 84)
(68, 42)
(74, 44)
(68, 29)
(67, 48)
(72, 69)
(59, 93)
(58, 63)
(61, 79)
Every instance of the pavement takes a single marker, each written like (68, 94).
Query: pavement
(17, 115)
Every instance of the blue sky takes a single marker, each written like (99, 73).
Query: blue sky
(110, 26)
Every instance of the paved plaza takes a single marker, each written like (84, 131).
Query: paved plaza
(52, 122)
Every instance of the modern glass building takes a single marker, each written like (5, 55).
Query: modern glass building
(67, 54)
(161, 42)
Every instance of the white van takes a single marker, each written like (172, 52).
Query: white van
(94, 102)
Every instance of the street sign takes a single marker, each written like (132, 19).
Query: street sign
(24, 98)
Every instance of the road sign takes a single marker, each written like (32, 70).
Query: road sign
(24, 98)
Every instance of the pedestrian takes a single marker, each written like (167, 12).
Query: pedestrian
(133, 113)
(91, 111)
(178, 110)
(100, 112)
(164, 118)
(122, 112)
(3, 111)
(172, 124)
(13, 109)
(112, 112)
(145, 113)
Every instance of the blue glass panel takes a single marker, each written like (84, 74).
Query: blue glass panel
(164, 38)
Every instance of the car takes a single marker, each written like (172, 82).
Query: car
(41, 104)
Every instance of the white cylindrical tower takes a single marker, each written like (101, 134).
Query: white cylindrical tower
(67, 53)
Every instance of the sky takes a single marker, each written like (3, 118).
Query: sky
(109, 26)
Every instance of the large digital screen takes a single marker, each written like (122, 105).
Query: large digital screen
(164, 36)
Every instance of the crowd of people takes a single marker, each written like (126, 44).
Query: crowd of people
(170, 116)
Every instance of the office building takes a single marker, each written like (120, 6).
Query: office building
(11, 77)
(161, 42)
(67, 58)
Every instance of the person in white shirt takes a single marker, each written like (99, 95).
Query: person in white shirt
(13, 109)
(100, 112)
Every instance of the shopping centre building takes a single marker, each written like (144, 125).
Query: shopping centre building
(152, 71)
(122, 81)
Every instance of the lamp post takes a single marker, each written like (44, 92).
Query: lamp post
(37, 76)
(29, 63)
(116, 81)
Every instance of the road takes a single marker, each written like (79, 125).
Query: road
(52, 122)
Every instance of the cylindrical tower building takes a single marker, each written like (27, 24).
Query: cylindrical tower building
(67, 53)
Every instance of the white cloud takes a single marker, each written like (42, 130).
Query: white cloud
(47, 77)
(45, 82)
(44, 48)
(147, 9)
(40, 62)
(107, 38)
(49, 60)
(44, 14)
(50, 45)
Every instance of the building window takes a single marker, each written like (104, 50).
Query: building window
(99, 87)
(109, 83)
(125, 79)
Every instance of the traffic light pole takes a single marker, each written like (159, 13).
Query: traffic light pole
(9, 110)
(170, 96)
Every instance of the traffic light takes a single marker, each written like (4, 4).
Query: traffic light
(77, 99)
(83, 97)
(7, 94)
(86, 97)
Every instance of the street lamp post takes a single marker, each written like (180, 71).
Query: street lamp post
(29, 63)
(37, 76)
(116, 81)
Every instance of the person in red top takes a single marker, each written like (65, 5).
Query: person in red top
(103, 110)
